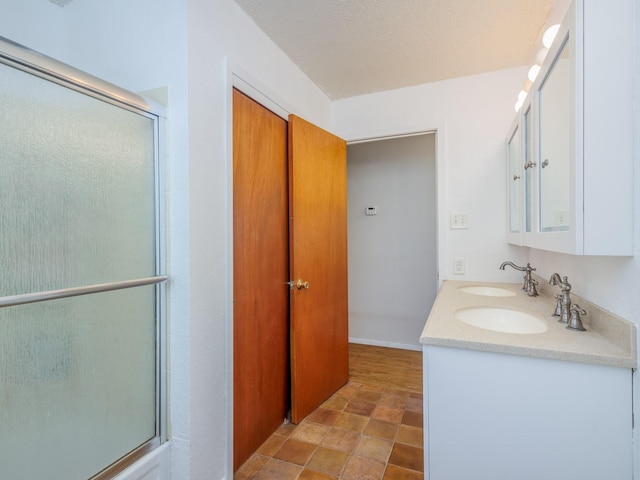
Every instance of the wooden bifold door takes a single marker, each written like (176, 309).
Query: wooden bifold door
(290, 270)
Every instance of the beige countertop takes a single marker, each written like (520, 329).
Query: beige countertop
(609, 339)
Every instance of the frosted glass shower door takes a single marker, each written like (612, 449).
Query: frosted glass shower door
(78, 375)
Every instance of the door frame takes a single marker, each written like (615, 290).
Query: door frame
(440, 242)
(239, 78)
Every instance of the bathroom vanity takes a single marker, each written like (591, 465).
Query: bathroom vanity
(510, 393)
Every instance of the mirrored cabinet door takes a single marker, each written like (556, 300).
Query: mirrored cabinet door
(515, 183)
(553, 163)
(577, 139)
(527, 183)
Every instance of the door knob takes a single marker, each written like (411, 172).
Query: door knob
(300, 285)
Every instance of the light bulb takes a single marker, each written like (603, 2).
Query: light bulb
(550, 35)
(533, 73)
(541, 55)
(521, 96)
(518, 106)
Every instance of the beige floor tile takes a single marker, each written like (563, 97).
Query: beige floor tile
(310, 432)
(374, 448)
(413, 436)
(336, 403)
(271, 445)
(367, 395)
(347, 391)
(398, 473)
(295, 451)
(278, 469)
(328, 461)
(407, 456)
(393, 401)
(381, 429)
(286, 429)
(400, 393)
(388, 414)
(412, 418)
(351, 421)
(323, 416)
(308, 474)
(251, 467)
(360, 407)
(361, 468)
(343, 440)
(414, 405)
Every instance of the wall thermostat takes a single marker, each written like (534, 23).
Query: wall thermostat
(371, 210)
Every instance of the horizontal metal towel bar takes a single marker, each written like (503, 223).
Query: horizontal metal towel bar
(76, 291)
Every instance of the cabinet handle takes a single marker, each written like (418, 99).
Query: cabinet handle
(516, 177)
(529, 165)
(545, 163)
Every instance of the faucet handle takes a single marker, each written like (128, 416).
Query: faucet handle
(558, 311)
(575, 323)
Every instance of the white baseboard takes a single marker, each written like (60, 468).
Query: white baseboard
(378, 343)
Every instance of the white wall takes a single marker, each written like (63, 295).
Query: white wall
(392, 255)
(472, 116)
(183, 46)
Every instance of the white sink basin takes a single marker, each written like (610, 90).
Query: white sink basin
(487, 291)
(500, 319)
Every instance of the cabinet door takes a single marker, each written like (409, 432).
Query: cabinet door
(514, 182)
(584, 133)
(512, 417)
(554, 162)
(528, 204)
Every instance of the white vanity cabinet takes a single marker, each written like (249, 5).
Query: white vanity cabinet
(580, 199)
(503, 417)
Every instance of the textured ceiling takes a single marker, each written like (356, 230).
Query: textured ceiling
(354, 47)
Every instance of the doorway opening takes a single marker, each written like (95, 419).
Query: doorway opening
(392, 230)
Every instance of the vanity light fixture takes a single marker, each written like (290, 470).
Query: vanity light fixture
(547, 39)
(541, 55)
(533, 73)
(549, 35)
(521, 96)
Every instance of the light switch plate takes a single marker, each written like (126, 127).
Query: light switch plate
(458, 221)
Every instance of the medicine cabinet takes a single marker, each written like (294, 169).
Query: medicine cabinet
(570, 149)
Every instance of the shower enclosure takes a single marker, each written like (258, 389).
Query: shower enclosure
(81, 272)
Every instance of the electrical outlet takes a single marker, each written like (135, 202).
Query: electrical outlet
(458, 265)
(458, 221)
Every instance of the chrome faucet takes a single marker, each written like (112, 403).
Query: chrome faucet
(529, 283)
(565, 299)
(575, 323)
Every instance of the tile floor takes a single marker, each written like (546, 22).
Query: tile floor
(362, 432)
